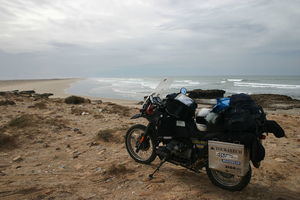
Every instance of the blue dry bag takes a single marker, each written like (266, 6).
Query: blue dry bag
(222, 104)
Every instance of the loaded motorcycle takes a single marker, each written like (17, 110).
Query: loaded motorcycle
(223, 140)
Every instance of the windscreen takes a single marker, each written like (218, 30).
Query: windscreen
(163, 87)
(161, 90)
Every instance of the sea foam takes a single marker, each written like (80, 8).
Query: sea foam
(266, 85)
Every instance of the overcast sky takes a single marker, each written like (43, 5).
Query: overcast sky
(94, 38)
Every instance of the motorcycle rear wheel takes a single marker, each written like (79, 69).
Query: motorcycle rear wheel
(229, 181)
(146, 153)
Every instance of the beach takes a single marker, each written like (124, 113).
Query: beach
(58, 87)
(55, 86)
(53, 150)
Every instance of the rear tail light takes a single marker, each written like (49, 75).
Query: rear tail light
(262, 137)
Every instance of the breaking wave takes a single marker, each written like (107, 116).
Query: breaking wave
(137, 88)
(266, 85)
(234, 80)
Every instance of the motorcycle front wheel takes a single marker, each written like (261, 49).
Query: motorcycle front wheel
(228, 181)
(140, 147)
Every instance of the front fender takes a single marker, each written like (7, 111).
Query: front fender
(136, 116)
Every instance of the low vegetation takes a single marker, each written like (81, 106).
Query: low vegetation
(118, 170)
(106, 135)
(32, 121)
(98, 116)
(117, 109)
(7, 141)
(111, 135)
(76, 100)
(40, 105)
(79, 111)
(7, 102)
(22, 121)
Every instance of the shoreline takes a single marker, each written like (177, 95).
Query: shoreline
(56, 86)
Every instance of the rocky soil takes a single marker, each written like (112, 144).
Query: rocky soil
(53, 150)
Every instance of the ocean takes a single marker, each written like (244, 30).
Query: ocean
(137, 88)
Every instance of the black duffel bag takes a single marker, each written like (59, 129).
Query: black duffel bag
(181, 107)
(243, 115)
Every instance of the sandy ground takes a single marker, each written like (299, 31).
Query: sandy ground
(52, 150)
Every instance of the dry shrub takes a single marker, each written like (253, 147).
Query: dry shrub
(119, 169)
(106, 135)
(78, 111)
(26, 128)
(7, 102)
(76, 100)
(19, 99)
(98, 116)
(22, 121)
(58, 101)
(32, 121)
(59, 123)
(97, 101)
(111, 135)
(40, 105)
(118, 109)
(7, 141)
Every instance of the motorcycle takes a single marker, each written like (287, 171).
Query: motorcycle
(176, 135)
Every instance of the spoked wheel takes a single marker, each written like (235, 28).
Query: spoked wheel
(228, 181)
(139, 146)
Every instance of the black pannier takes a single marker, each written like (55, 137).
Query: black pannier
(181, 107)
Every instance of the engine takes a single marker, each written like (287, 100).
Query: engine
(175, 150)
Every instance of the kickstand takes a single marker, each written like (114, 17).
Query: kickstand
(157, 168)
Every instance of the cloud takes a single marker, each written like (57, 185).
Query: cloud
(166, 33)
(32, 26)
